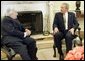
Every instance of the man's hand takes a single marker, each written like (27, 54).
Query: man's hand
(56, 30)
(72, 31)
(27, 32)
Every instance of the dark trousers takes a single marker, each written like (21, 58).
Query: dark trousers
(68, 40)
(25, 47)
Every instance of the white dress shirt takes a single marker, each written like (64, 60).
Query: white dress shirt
(66, 20)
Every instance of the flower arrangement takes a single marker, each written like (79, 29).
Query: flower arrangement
(76, 54)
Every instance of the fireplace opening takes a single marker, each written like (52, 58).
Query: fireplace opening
(32, 20)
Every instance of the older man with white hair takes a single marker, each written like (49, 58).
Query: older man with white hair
(17, 37)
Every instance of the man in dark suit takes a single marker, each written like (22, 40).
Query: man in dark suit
(63, 26)
(17, 37)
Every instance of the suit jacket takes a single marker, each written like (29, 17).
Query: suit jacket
(59, 22)
(12, 27)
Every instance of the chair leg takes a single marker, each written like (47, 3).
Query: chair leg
(54, 48)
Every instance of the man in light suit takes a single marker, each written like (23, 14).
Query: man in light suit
(63, 26)
(17, 37)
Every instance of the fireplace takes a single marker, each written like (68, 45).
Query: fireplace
(32, 20)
